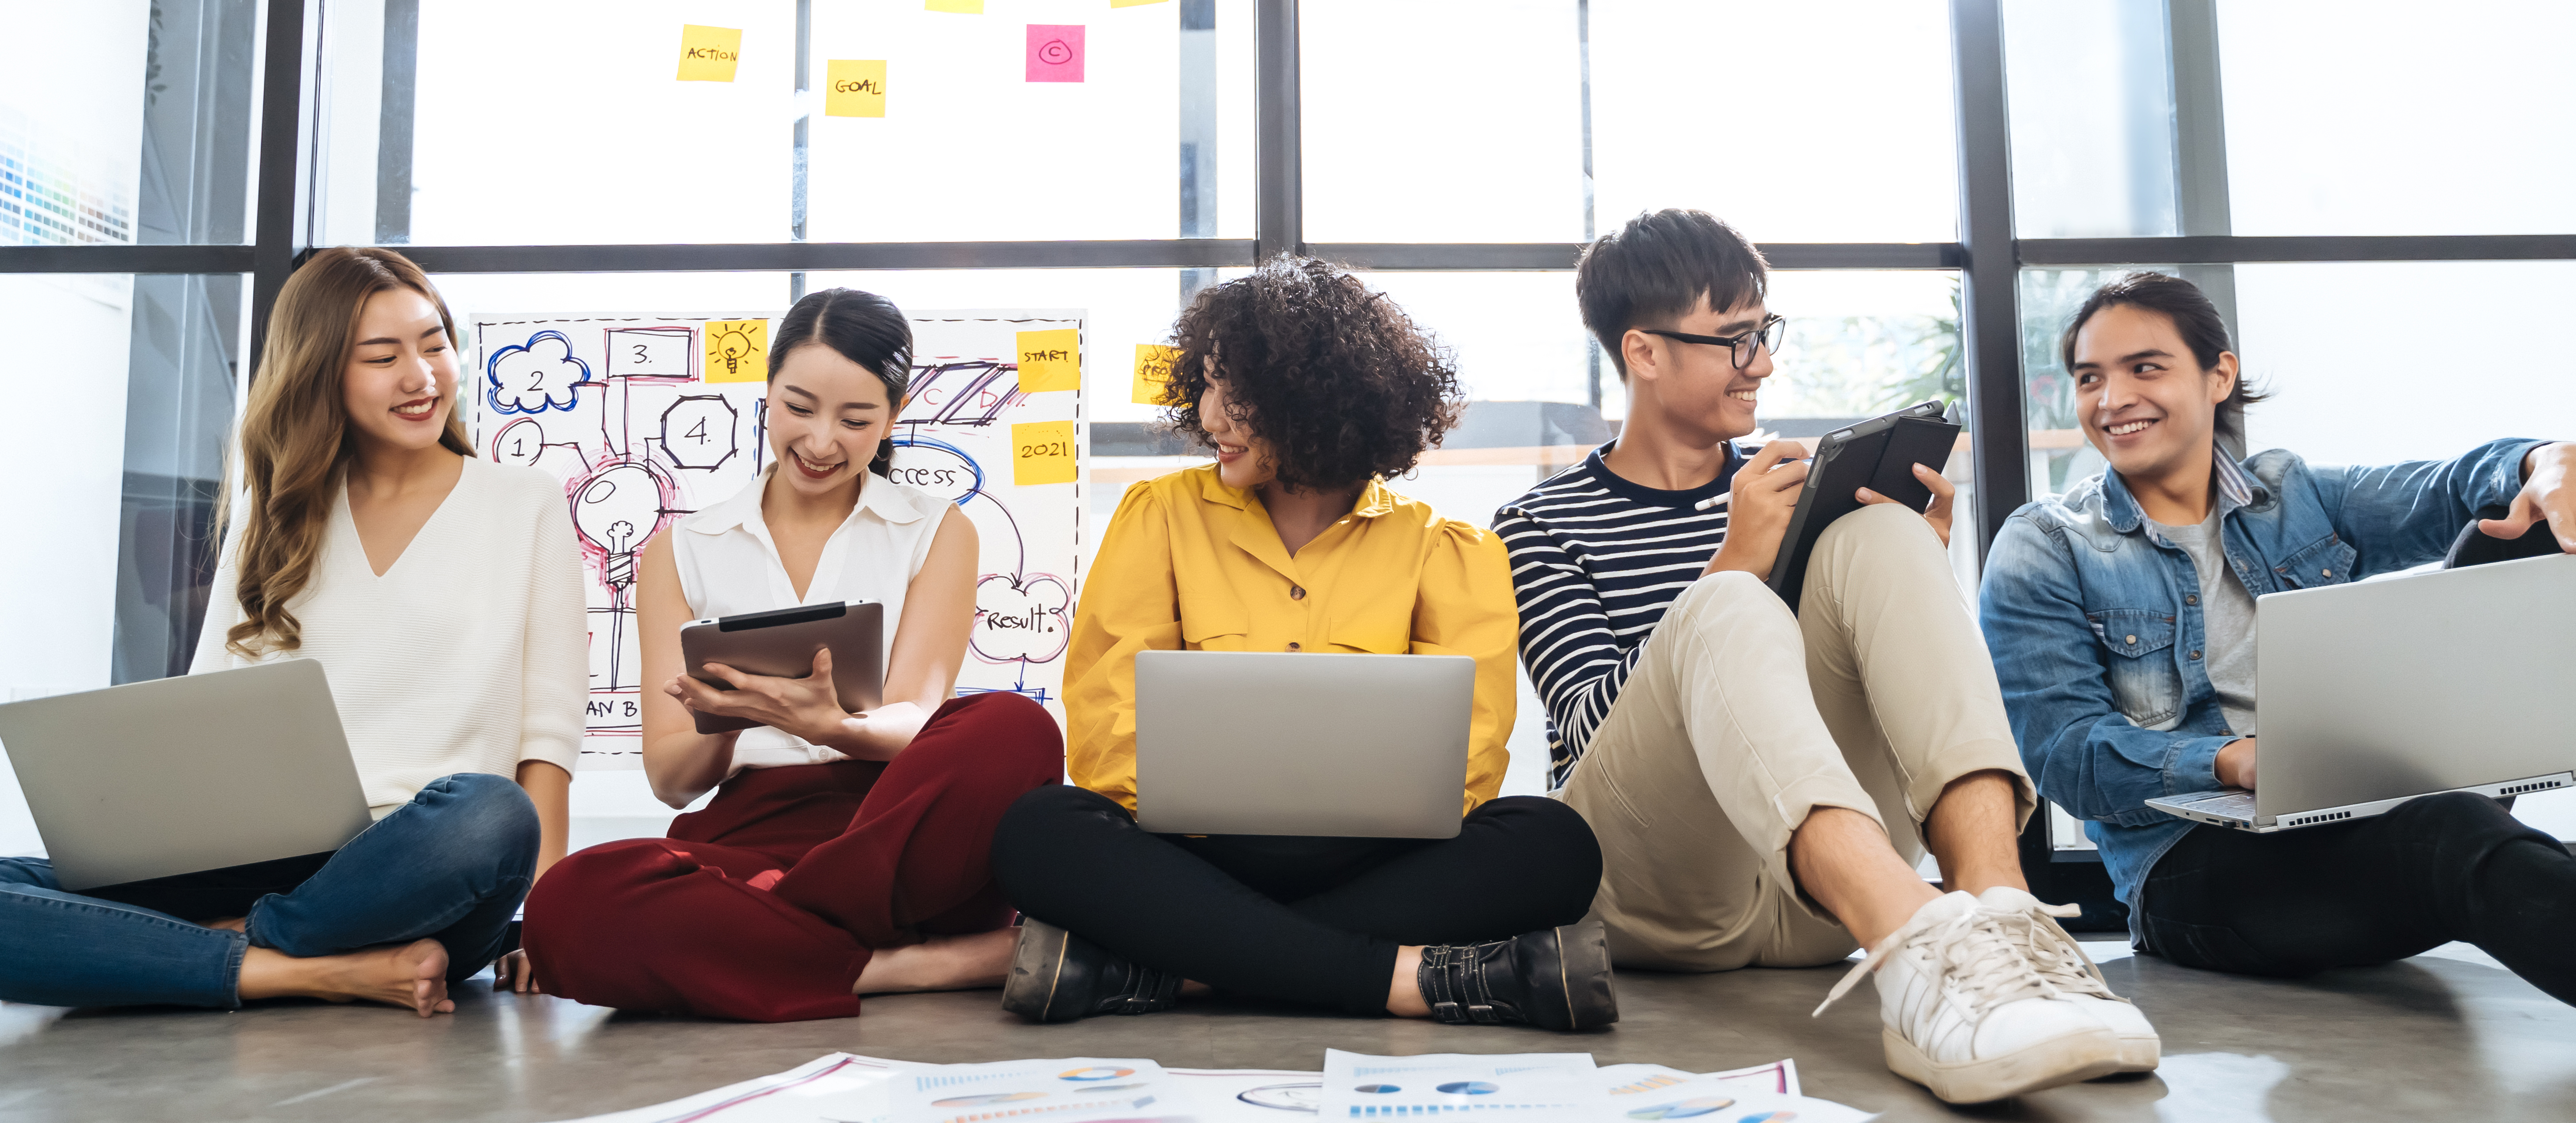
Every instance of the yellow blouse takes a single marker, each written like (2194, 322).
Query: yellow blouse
(1189, 563)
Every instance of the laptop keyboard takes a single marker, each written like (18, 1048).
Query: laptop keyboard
(2234, 805)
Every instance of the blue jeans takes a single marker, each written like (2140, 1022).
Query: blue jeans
(450, 865)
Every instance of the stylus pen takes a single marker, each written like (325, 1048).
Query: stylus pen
(1714, 500)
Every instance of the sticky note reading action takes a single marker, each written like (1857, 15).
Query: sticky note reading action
(856, 88)
(961, 7)
(1055, 52)
(737, 351)
(1042, 453)
(1153, 372)
(1050, 360)
(708, 54)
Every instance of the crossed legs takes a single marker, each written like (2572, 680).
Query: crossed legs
(1766, 781)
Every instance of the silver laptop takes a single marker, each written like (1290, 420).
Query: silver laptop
(1279, 743)
(188, 774)
(2375, 693)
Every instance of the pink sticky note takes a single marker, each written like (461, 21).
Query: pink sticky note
(1055, 52)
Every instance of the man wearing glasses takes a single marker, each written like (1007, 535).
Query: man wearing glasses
(1763, 782)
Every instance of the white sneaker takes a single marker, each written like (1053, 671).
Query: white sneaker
(2061, 960)
(1966, 1014)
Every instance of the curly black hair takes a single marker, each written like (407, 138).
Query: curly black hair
(1342, 384)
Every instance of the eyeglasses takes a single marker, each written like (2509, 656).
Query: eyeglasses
(1741, 346)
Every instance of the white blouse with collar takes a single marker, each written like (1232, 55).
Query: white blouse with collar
(729, 565)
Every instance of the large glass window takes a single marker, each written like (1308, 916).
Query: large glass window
(492, 122)
(2388, 117)
(2092, 118)
(1795, 122)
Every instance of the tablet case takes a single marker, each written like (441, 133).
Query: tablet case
(781, 643)
(1878, 454)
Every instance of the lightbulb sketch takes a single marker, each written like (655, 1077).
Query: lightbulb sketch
(732, 347)
(648, 418)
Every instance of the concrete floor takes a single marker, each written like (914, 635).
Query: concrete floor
(2448, 1036)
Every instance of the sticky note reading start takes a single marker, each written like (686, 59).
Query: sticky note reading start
(737, 351)
(1153, 372)
(708, 54)
(1050, 360)
(856, 88)
(1042, 453)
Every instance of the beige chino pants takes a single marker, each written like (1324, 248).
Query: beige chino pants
(1741, 717)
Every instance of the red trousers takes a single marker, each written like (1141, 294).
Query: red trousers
(765, 906)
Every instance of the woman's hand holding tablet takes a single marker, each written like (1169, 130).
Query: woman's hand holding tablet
(807, 707)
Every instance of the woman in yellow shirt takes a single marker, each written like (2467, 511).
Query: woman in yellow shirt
(1310, 390)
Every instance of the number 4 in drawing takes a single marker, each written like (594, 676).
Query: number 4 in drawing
(698, 431)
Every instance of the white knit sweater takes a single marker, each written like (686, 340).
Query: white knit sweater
(470, 654)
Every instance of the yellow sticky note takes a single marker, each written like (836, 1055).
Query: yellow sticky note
(1050, 360)
(737, 351)
(962, 7)
(708, 54)
(855, 88)
(1132, 3)
(1042, 453)
(1153, 369)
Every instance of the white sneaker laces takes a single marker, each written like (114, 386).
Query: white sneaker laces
(1989, 957)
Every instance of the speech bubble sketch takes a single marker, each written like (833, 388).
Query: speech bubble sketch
(1021, 619)
(658, 353)
(698, 431)
(535, 376)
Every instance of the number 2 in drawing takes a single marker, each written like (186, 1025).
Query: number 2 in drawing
(698, 431)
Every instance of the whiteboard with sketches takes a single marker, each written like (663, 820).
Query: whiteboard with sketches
(648, 417)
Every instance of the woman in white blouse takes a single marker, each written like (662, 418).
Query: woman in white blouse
(442, 595)
(844, 853)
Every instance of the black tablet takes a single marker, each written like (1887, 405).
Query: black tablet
(781, 643)
(1878, 454)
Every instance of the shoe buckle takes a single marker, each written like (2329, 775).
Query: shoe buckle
(1484, 1015)
(1445, 1012)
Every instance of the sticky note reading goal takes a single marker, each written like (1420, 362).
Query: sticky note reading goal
(708, 54)
(1042, 453)
(737, 351)
(1153, 371)
(855, 88)
(1050, 360)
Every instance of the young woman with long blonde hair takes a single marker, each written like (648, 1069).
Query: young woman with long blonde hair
(442, 594)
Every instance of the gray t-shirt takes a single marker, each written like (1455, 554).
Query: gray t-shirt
(2228, 610)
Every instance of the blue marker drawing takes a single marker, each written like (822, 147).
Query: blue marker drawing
(535, 376)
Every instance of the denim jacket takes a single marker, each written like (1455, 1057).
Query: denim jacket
(2095, 622)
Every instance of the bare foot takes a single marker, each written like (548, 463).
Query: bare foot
(941, 963)
(412, 975)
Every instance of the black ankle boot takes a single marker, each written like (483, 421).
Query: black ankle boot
(1554, 978)
(1057, 976)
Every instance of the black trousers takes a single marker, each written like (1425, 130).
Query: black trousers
(1313, 920)
(2446, 867)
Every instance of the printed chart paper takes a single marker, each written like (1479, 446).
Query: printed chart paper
(648, 417)
(1509, 1085)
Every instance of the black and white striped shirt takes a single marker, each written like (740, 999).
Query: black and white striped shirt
(1595, 561)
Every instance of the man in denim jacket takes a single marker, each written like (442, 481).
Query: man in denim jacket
(2121, 621)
